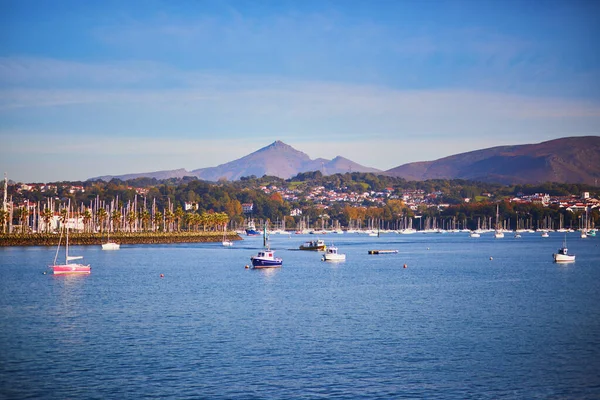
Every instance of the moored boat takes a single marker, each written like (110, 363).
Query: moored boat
(562, 255)
(111, 246)
(266, 259)
(69, 268)
(251, 229)
(331, 254)
(315, 245)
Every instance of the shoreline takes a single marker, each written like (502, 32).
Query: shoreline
(51, 239)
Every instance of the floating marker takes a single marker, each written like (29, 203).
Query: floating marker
(162, 275)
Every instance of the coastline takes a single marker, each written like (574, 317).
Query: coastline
(51, 239)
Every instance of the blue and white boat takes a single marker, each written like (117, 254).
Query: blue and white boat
(266, 259)
(251, 229)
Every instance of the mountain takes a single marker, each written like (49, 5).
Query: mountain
(566, 160)
(276, 159)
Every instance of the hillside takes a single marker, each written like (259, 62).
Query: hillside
(566, 160)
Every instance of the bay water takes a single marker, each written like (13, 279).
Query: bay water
(466, 318)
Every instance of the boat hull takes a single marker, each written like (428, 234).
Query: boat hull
(258, 263)
(313, 248)
(252, 232)
(334, 257)
(563, 258)
(71, 269)
(111, 246)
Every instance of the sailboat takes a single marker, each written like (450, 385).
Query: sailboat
(110, 245)
(498, 234)
(68, 268)
(226, 242)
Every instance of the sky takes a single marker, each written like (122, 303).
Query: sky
(91, 88)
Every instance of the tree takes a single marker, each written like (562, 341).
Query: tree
(102, 215)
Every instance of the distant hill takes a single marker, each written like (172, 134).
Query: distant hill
(277, 159)
(566, 160)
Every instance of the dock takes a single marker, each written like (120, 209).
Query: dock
(383, 251)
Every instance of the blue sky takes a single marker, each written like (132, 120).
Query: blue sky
(115, 87)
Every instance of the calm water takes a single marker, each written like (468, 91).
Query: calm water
(453, 324)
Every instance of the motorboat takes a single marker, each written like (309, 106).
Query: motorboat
(474, 234)
(331, 254)
(315, 245)
(562, 255)
(266, 259)
(251, 229)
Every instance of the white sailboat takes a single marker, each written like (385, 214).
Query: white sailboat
(498, 234)
(110, 245)
(226, 242)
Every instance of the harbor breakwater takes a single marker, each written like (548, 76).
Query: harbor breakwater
(52, 239)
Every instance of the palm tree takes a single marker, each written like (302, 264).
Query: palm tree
(101, 214)
(116, 220)
(23, 214)
(63, 217)
(131, 219)
(145, 219)
(169, 217)
(158, 219)
(178, 216)
(87, 217)
(47, 215)
(3, 218)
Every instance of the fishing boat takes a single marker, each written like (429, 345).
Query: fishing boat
(331, 254)
(68, 268)
(251, 229)
(315, 245)
(562, 255)
(266, 259)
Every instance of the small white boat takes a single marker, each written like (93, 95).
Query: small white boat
(475, 235)
(226, 242)
(266, 259)
(111, 246)
(562, 255)
(545, 234)
(331, 254)
(498, 234)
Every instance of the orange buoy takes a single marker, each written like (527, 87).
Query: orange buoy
(404, 265)
(247, 267)
(162, 275)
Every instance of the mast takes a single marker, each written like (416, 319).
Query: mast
(4, 201)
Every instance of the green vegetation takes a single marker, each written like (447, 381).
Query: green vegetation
(150, 205)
